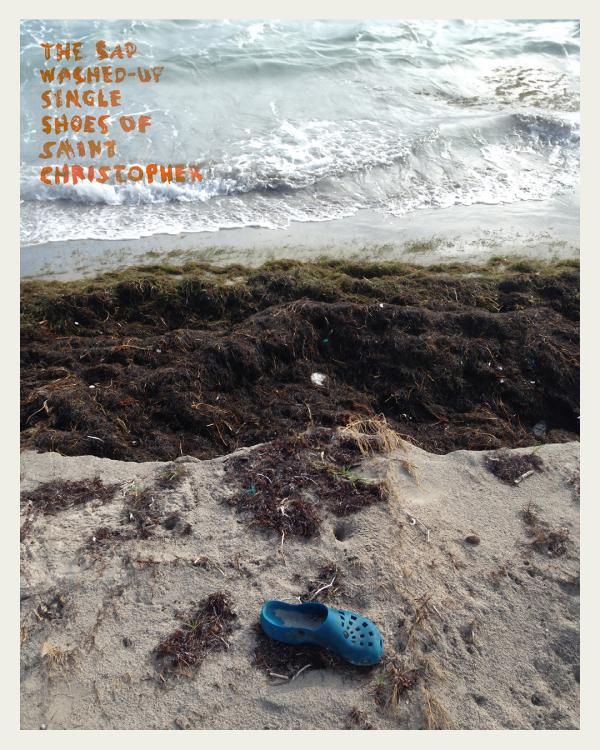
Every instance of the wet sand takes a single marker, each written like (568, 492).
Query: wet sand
(541, 229)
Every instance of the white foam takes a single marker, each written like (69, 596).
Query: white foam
(310, 121)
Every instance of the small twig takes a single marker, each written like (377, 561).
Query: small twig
(43, 407)
(299, 672)
(326, 586)
(280, 549)
(524, 476)
(281, 676)
(309, 412)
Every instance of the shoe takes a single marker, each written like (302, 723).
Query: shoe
(351, 636)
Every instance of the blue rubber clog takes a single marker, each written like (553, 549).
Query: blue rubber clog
(348, 634)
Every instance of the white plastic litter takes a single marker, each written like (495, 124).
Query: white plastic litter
(318, 378)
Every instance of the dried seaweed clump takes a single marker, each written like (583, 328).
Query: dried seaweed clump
(56, 659)
(357, 719)
(287, 517)
(551, 542)
(513, 467)
(345, 493)
(326, 586)
(142, 508)
(53, 609)
(284, 661)
(396, 679)
(289, 481)
(371, 435)
(103, 536)
(170, 477)
(393, 682)
(205, 630)
(57, 495)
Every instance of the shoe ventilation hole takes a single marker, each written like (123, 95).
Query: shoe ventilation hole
(353, 617)
(370, 644)
(364, 624)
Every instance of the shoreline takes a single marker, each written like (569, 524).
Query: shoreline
(470, 234)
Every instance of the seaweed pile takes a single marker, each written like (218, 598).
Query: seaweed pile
(157, 362)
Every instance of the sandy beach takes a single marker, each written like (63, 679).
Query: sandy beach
(339, 365)
(170, 414)
(478, 611)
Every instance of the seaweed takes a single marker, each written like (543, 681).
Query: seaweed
(58, 495)
(552, 542)
(326, 586)
(285, 661)
(512, 467)
(202, 361)
(287, 484)
(142, 508)
(171, 477)
(393, 681)
(358, 719)
(205, 630)
(103, 536)
(53, 609)
(547, 541)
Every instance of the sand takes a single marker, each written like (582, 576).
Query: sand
(547, 229)
(491, 628)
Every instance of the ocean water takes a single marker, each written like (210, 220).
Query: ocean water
(309, 121)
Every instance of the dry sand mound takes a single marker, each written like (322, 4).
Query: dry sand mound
(474, 582)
